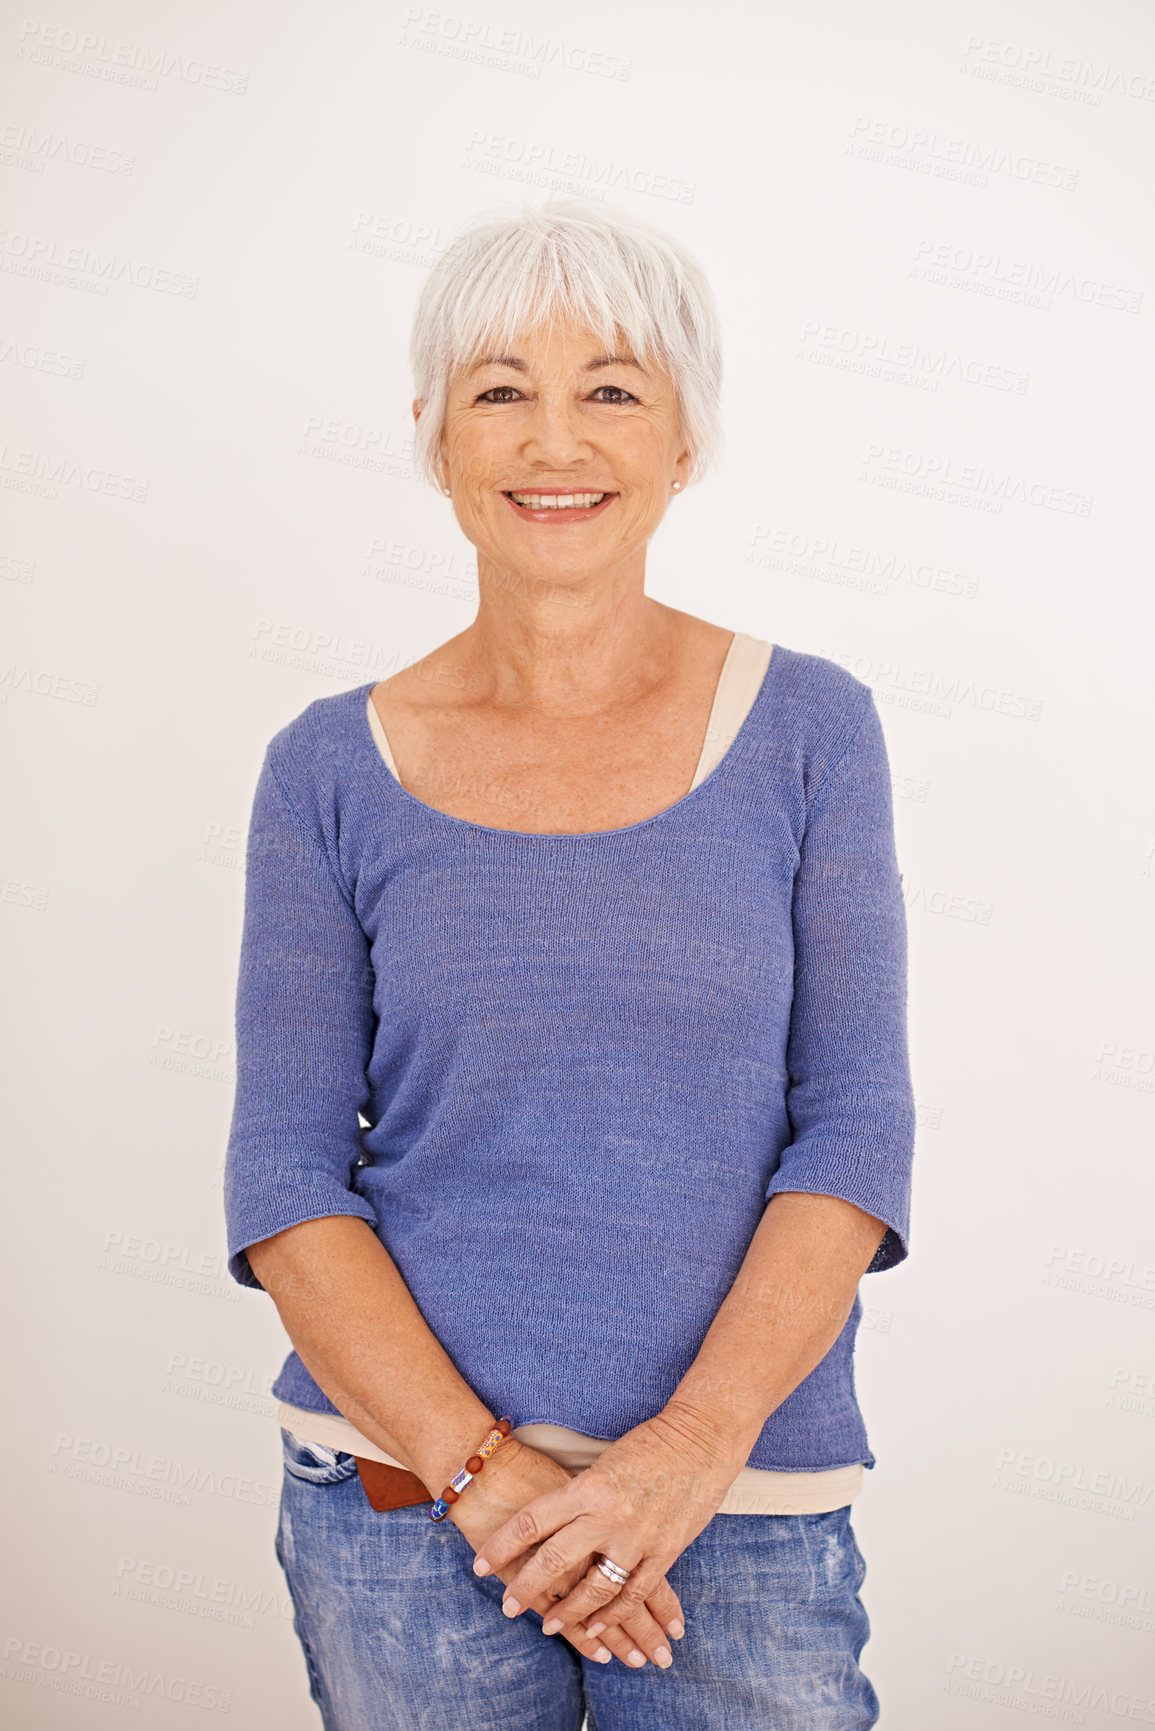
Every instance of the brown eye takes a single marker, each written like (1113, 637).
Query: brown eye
(491, 396)
(622, 394)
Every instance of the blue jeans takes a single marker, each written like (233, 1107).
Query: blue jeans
(400, 1635)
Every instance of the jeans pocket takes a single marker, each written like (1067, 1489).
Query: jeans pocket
(315, 1463)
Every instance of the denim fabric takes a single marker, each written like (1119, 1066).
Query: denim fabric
(400, 1635)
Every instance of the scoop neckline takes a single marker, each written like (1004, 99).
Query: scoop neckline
(432, 811)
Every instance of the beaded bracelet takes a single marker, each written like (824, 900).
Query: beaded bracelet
(470, 1470)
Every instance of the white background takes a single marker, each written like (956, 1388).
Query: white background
(928, 229)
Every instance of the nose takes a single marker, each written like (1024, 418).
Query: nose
(555, 437)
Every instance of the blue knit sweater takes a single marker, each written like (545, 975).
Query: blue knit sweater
(584, 1061)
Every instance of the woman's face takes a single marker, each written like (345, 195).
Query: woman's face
(558, 416)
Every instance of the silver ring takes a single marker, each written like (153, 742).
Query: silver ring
(613, 1571)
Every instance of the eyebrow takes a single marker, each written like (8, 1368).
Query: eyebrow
(521, 366)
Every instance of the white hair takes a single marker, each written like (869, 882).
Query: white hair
(572, 259)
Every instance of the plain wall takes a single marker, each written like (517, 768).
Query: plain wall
(928, 229)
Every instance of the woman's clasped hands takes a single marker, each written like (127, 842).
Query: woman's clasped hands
(646, 1497)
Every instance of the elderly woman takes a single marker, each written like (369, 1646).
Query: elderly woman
(573, 1095)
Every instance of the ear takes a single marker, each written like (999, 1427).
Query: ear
(682, 468)
(418, 405)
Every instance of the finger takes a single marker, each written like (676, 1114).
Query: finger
(578, 1636)
(551, 1571)
(614, 1644)
(589, 1646)
(537, 1521)
(628, 1603)
(623, 1647)
(665, 1608)
(640, 1632)
(596, 1592)
(662, 1607)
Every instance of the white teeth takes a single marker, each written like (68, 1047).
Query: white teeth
(555, 501)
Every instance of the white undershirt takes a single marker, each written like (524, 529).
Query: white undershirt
(755, 1491)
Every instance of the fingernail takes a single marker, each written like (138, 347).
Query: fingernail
(481, 1565)
(552, 1627)
(676, 1629)
(636, 1658)
(603, 1655)
(663, 1656)
(510, 1607)
(595, 1629)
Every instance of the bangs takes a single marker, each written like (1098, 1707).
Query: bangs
(537, 280)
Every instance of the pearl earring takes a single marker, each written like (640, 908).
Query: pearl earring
(446, 490)
(677, 484)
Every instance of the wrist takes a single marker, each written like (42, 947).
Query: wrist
(708, 1435)
(439, 1461)
(501, 1469)
(495, 1493)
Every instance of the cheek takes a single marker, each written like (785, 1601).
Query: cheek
(476, 447)
(645, 494)
(647, 461)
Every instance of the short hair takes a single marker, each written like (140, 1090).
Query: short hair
(570, 258)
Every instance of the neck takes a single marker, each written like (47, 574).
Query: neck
(574, 649)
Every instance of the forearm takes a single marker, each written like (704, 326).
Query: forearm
(361, 1336)
(787, 1307)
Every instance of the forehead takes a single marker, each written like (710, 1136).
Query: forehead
(566, 350)
(560, 337)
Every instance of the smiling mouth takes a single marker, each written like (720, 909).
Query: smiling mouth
(559, 507)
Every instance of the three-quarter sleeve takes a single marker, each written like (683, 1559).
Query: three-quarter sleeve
(849, 1095)
(304, 1032)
